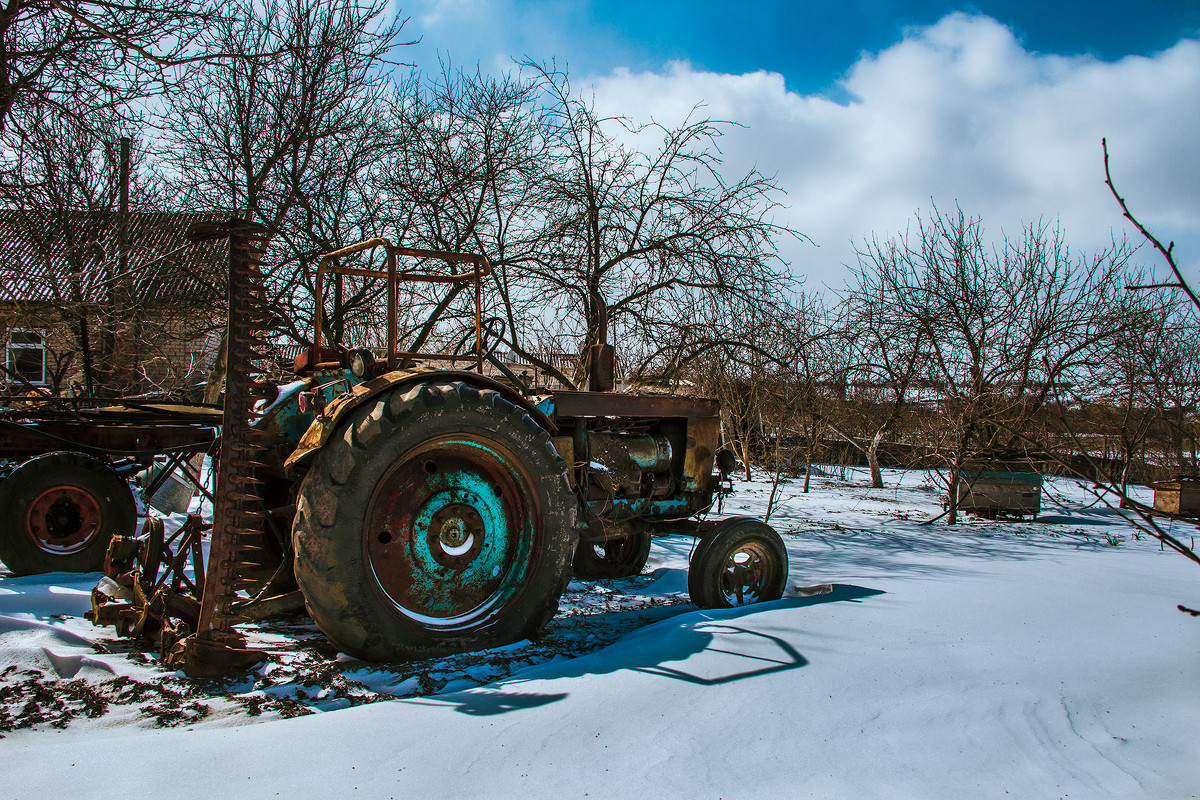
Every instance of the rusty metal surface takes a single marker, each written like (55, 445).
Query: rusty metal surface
(327, 421)
(328, 265)
(20, 440)
(703, 439)
(457, 506)
(216, 647)
(617, 404)
(151, 583)
(602, 357)
(602, 375)
(63, 519)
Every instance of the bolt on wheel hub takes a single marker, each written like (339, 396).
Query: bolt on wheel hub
(455, 535)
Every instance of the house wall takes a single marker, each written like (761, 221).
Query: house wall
(161, 352)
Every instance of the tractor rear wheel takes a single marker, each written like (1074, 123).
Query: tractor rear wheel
(615, 558)
(60, 510)
(739, 561)
(437, 520)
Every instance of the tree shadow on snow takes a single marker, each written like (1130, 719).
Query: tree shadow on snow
(901, 547)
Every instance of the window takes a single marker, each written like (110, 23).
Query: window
(25, 355)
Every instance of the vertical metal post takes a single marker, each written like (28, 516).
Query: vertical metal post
(479, 318)
(123, 209)
(392, 311)
(337, 324)
(125, 340)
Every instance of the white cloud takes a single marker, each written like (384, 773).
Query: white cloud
(434, 12)
(956, 112)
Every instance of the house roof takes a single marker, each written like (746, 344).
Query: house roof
(70, 257)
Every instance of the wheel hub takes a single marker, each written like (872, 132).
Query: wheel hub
(448, 532)
(63, 519)
(455, 535)
(742, 579)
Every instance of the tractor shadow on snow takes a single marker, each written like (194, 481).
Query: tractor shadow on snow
(704, 648)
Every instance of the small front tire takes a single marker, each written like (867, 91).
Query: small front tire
(739, 561)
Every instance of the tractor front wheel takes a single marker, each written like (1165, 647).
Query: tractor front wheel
(440, 519)
(739, 561)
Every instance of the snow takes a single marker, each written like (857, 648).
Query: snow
(988, 659)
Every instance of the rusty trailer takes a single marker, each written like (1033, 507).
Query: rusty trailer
(64, 490)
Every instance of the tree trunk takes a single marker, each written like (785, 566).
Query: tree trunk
(216, 375)
(873, 461)
(774, 481)
(952, 492)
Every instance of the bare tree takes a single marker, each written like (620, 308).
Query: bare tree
(289, 140)
(810, 375)
(885, 353)
(74, 58)
(467, 173)
(1104, 486)
(1147, 387)
(1005, 326)
(647, 232)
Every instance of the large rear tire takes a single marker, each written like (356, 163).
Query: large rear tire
(436, 520)
(59, 511)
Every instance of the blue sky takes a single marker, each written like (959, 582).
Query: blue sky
(869, 111)
(809, 43)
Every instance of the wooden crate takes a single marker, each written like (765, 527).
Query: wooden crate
(1180, 497)
(994, 493)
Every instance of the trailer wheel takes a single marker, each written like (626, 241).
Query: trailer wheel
(438, 520)
(738, 562)
(615, 558)
(59, 512)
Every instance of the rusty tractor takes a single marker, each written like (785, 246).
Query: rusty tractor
(417, 506)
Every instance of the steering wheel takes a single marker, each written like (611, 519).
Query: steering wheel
(491, 333)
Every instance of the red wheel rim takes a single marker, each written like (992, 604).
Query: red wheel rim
(451, 532)
(63, 519)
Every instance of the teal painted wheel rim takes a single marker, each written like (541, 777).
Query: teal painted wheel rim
(451, 531)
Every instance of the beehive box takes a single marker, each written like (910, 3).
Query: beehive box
(993, 493)
(1180, 497)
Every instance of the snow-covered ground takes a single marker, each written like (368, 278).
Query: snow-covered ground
(993, 659)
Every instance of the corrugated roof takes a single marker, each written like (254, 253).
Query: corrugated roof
(72, 257)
